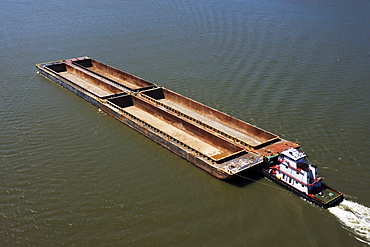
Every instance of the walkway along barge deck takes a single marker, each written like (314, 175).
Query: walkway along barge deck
(211, 140)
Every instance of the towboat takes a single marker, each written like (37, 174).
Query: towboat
(292, 170)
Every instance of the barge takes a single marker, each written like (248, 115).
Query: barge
(220, 144)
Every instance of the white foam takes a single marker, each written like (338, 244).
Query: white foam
(354, 217)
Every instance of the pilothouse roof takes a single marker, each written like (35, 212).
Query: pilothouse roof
(293, 154)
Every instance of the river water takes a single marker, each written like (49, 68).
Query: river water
(72, 176)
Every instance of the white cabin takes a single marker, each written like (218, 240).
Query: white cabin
(294, 169)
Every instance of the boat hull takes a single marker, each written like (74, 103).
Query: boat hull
(325, 203)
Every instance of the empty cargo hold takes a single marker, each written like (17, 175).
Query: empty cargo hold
(130, 81)
(88, 81)
(246, 133)
(183, 131)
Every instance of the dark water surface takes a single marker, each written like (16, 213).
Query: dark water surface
(71, 175)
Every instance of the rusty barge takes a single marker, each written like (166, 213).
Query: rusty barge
(211, 140)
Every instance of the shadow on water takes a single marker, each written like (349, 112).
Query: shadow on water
(248, 177)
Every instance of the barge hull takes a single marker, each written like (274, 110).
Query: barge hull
(69, 86)
(202, 141)
(218, 156)
(166, 142)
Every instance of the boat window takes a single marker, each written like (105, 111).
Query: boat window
(303, 166)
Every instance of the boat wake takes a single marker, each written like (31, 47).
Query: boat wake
(355, 218)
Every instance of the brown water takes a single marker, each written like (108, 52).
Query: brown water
(71, 175)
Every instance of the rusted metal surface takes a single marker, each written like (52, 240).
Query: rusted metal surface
(276, 147)
(219, 122)
(130, 81)
(222, 170)
(184, 131)
(214, 141)
(91, 82)
(44, 69)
